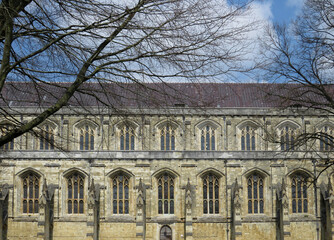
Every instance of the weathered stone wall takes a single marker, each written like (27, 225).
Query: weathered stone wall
(186, 163)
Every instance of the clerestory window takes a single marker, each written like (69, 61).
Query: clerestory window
(86, 138)
(127, 138)
(47, 138)
(248, 139)
(208, 138)
(167, 138)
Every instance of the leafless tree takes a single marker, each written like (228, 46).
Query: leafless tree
(47, 43)
(299, 57)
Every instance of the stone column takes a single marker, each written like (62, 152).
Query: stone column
(331, 202)
(236, 224)
(325, 211)
(4, 211)
(188, 213)
(141, 211)
(93, 212)
(45, 217)
(283, 221)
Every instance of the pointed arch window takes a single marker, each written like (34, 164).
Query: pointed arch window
(166, 194)
(299, 194)
(210, 194)
(255, 187)
(46, 140)
(75, 193)
(288, 137)
(30, 196)
(167, 138)
(120, 193)
(3, 131)
(86, 138)
(326, 139)
(248, 138)
(208, 139)
(127, 138)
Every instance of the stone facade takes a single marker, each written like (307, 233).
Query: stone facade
(211, 180)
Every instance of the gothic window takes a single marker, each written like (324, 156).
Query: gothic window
(210, 194)
(288, 137)
(46, 140)
(120, 194)
(299, 194)
(30, 183)
(75, 193)
(127, 138)
(166, 194)
(166, 233)
(167, 137)
(208, 140)
(255, 186)
(10, 145)
(248, 138)
(86, 138)
(326, 139)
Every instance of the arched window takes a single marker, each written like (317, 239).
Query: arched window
(86, 138)
(288, 137)
(248, 138)
(255, 185)
(167, 137)
(166, 233)
(4, 129)
(120, 193)
(166, 194)
(30, 196)
(208, 139)
(75, 193)
(210, 194)
(127, 138)
(299, 193)
(326, 139)
(46, 139)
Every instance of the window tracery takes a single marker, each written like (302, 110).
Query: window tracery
(75, 193)
(46, 139)
(208, 139)
(167, 138)
(86, 138)
(248, 138)
(326, 139)
(120, 194)
(299, 194)
(255, 187)
(30, 183)
(288, 137)
(210, 194)
(4, 129)
(127, 138)
(166, 194)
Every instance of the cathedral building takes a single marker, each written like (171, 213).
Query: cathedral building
(165, 162)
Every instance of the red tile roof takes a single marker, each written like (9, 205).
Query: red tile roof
(155, 95)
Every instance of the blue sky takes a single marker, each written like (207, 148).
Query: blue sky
(285, 10)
